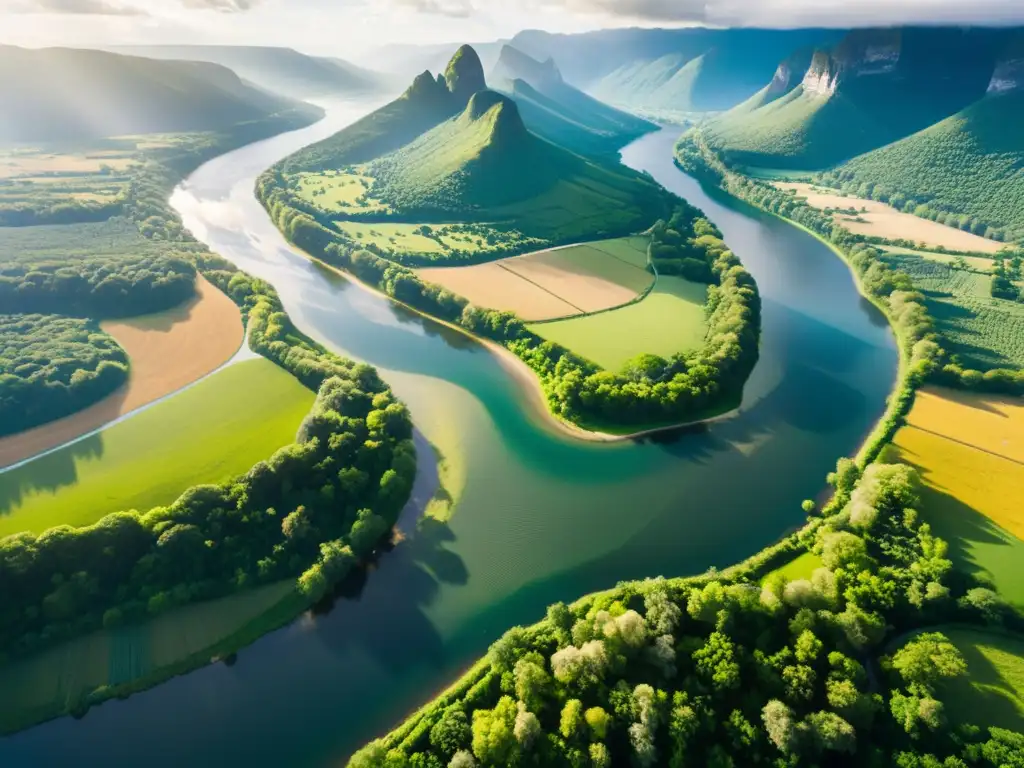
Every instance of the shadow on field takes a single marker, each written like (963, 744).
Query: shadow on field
(46, 474)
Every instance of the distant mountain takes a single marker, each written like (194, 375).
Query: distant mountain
(671, 70)
(875, 87)
(406, 60)
(968, 168)
(438, 152)
(277, 69)
(557, 111)
(62, 93)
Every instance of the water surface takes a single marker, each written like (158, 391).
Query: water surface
(542, 517)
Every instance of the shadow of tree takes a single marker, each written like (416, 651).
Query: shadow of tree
(47, 473)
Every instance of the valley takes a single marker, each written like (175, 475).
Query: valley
(656, 444)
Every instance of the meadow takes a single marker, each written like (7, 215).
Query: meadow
(877, 219)
(985, 332)
(977, 263)
(669, 321)
(557, 283)
(992, 691)
(968, 449)
(801, 567)
(338, 192)
(205, 434)
(49, 683)
(435, 242)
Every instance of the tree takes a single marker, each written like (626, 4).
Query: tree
(929, 659)
(494, 739)
(527, 727)
(597, 720)
(778, 723)
(572, 719)
(600, 757)
(462, 759)
(716, 662)
(532, 682)
(452, 732)
(830, 733)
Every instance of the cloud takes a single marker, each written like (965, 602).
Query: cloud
(78, 7)
(669, 11)
(458, 9)
(225, 6)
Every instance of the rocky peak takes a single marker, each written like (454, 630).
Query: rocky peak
(465, 75)
(514, 65)
(506, 122)
(862, 53)
(426, 88)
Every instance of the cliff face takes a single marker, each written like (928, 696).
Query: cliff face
(862, 53)
(789, 74)
(1008, 75)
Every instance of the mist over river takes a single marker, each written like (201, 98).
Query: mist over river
(542, 516)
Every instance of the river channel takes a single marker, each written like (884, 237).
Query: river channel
(541, 516)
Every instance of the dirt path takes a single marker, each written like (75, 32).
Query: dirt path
(168, 351)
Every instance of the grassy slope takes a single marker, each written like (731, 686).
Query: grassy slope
(992, 692)
(669, 321)
(972, 162)
(483, 164)
(59, 93)
(203, 435)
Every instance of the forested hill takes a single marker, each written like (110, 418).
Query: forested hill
(559, 112)
(875, 87)
(680, 70)
(968, 166)
(284, 70)
(63, 93)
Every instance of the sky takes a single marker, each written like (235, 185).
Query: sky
(339, 26)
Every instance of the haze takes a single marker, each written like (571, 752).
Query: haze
(354, 26)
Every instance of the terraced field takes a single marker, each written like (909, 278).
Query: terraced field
(205, 434)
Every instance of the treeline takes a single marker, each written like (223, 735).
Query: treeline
(52, 366)
(649, 389)
(737, 670)
(893, 289)
(311, 511)
(30, 213)
(98, 286)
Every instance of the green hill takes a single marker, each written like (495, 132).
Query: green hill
(967, 169)
(557, 111)
(428, 102)
(873, 88)
(284, 70)
(485, 165)
(62, 93)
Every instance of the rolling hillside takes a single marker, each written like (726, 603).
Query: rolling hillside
(968, 166)
(557, 111)
(671, 70)
(62, 93)
(450, 148)
(284, 70)
(873, 88)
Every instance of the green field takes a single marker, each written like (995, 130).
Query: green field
(983, 331)
(992, 691)
(669, 321)
(447, 241)
(632, 250)
(209, 433)
(800, 568)
(622, 261)
(976, 263)
(44, 685)
(338, 192)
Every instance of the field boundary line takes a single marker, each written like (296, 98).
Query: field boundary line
(965, 444)
(538, 285)
(617, 258)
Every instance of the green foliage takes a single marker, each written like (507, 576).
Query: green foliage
(748, 687)
(966, 171)
(51, 366)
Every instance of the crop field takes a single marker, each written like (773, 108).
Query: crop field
(338, 192)
(668, 321)
(167, 351)
(882, 220)
(977, 263)
(992, 692)
(968, 449)
(42, 685)
(37, 162)
(984, 331)
(563, 282)
(217, 429)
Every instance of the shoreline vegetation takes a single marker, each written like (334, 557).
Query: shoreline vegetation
(521, 701)
(313, 512)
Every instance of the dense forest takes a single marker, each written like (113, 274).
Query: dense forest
(893, 289)
(649, 389)
(739, 668)
(51, 366)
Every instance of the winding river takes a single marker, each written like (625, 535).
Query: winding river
(541, 517)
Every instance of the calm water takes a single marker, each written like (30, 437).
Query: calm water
(542, 517)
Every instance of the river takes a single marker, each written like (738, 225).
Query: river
(542, 517)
